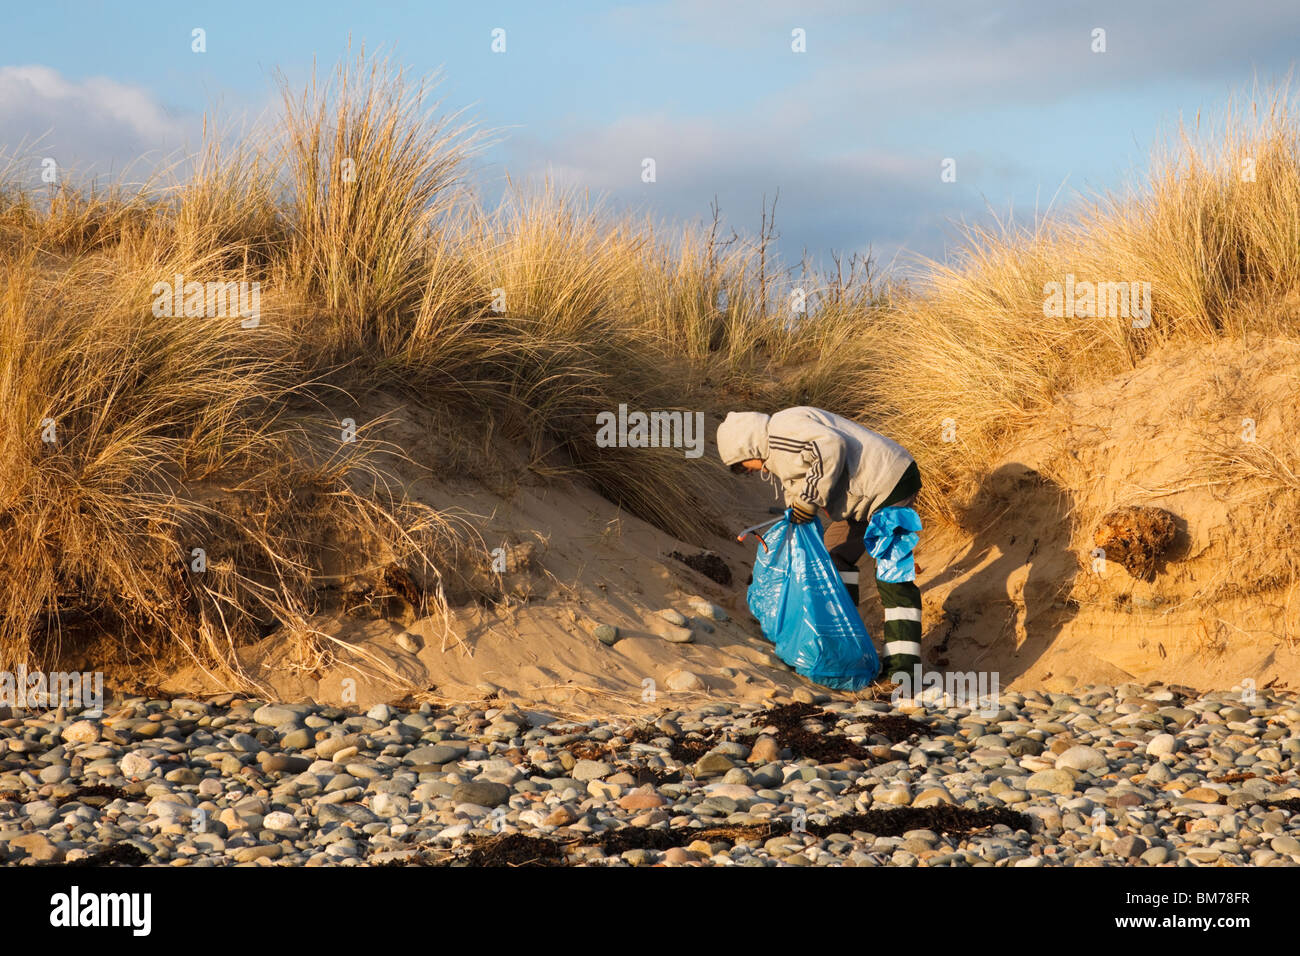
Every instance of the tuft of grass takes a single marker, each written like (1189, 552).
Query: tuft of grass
(371, 167)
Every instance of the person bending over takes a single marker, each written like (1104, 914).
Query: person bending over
(826, 461)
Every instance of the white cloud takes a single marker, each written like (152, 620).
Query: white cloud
(95, 125)
(847, 200)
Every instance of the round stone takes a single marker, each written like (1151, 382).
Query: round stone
(1128, 847)
(683, 680)
(1081, 758)
(585, 770)
(277, 715)
(136, 765)
(481, 792)
(1053, 781)
(1162, 745)
(81, 732)
(55, 773)
(436, 753)
(643, 798)
(1155, 856)
(674, 634)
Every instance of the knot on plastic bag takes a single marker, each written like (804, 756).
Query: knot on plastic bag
(891, 535)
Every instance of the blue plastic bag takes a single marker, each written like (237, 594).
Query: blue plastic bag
(891, 536)
(805, 610)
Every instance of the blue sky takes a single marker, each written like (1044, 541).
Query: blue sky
(852, 132)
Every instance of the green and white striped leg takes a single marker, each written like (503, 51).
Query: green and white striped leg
(902, 604)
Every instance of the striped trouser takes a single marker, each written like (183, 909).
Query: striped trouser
(901, 601)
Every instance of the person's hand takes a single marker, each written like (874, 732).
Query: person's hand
(801, 512)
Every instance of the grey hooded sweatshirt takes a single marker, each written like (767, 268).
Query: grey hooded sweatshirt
(819, 457)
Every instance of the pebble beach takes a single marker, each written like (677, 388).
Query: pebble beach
(1105, 776)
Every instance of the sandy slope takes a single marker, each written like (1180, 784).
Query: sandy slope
(591, 565)
(1013, 591)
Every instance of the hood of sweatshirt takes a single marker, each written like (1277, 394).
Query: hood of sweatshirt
(741, 436)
